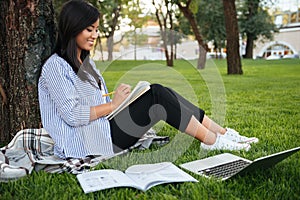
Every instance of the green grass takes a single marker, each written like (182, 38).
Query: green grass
(264, 102)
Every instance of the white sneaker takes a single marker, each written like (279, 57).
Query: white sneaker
(222, 143)
(234, 136)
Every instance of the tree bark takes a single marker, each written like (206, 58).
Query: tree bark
(202, 46)
(27, 38)
(249, 46)
(110, 47)
(234, 65)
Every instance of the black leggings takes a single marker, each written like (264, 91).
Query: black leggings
(159, 103)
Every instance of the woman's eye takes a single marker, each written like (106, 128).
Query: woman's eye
(89, 30)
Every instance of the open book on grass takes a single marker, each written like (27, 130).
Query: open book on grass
(142, 177)
(140, 88)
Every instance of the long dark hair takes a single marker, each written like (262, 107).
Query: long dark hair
(75, 16)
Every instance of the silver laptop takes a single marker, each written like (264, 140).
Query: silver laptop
(227, 165)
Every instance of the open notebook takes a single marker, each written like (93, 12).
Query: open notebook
(227, 165)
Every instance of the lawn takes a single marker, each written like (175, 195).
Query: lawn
(263, 102)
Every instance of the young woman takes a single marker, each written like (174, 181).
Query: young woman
(73, 109)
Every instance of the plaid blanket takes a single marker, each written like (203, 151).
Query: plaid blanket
(32, 149)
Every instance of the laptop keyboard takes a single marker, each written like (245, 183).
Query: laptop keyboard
(225, 170)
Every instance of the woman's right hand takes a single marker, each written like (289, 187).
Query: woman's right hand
(122, 91)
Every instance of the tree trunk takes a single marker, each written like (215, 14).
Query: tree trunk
(171, 38)
(27, 38)
(253, 6)
(234, 65)
(165, 21)
(110, 46)
(202, 46)
(249, 47)
(202, 57)
(169, 60)
(110, 38)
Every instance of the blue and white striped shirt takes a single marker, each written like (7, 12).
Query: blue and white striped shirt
(65, 102)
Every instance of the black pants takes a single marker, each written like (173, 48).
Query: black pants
(159, 103)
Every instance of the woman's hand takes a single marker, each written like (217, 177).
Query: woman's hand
(101, 110)
(122, 91)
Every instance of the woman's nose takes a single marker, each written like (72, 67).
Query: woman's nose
(95, 34)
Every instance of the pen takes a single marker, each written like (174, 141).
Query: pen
(110, 93)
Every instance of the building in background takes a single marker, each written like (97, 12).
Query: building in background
(286, 43)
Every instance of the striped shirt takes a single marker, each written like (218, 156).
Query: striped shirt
(65, 102)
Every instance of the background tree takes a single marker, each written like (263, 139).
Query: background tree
(255, 22)
(133, 12)
(183, 26)
(111, 14)
(164, 16)
(57, 4)
(27, 38)
(234, 65)
(136, 38)
(210, 17)
(189, 8)
(177, 37)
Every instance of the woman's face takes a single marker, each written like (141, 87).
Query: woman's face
(85, 39)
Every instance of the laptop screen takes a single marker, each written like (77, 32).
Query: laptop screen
(267, 161)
